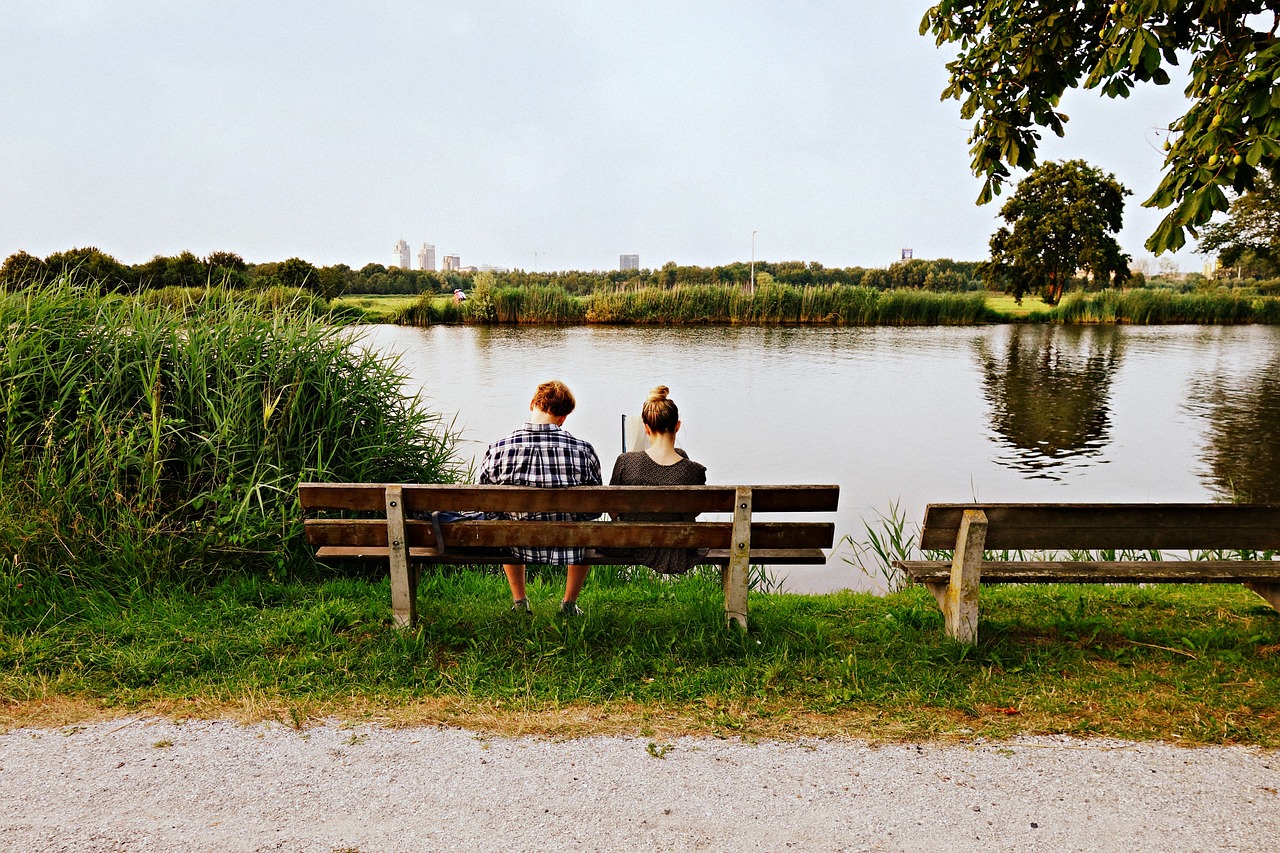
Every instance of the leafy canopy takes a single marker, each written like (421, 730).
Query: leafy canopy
(1017, 58)
(1250, 237)
(1064, 218)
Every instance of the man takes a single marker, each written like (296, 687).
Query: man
(542, 453)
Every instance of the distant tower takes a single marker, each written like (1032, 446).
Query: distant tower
(402, 255)
(427, 257)
(453, 262)
(628, 262)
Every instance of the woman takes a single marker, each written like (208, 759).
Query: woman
(663, 464)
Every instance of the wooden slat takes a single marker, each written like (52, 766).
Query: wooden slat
(1140, 571)
(613, 499)
(716, 557)
(597, 534)
(1118, 526)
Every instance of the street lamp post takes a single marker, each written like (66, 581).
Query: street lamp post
(753, 263)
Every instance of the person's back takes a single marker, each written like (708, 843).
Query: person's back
(662, 464)
(542, 454)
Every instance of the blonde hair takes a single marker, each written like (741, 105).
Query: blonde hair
(660, 414)
(554, 398)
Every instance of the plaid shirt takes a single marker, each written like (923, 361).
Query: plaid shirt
(546, 456)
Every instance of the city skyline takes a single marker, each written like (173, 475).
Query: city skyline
(820, 129)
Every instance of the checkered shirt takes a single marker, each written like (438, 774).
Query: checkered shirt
(546, 456)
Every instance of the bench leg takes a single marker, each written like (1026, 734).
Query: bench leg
(404, 593)
(1269, 591)
(960, 604)
(735, 575)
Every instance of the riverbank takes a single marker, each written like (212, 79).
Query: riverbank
(158, 785)
(785, 305)
(1186, 663)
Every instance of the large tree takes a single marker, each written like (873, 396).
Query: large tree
(1017, 58)
(1249, 239)
(1064, 218)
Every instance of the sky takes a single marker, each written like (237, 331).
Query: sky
(538, 135)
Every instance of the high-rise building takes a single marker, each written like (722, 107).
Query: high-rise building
(628, 262)
(402, 255)
(427, 257)
(453, 262)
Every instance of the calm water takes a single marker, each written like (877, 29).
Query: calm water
(905, 416)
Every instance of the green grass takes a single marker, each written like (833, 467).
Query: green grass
(381, 308)
(144, 439)
(1006, 305)
(1194, 664)
(771, 304)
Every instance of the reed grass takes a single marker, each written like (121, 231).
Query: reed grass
(164, 438)
(771, 304)
(1155, 306)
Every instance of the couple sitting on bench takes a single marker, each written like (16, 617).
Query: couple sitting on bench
(541, 453)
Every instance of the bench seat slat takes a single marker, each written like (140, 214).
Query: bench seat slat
(613, 499)
(1065, 571)
(718, 557)
(599, 534)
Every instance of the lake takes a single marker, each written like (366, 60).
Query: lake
(895, 416)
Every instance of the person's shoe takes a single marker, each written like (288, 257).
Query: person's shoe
(521, 606)
(570, 608)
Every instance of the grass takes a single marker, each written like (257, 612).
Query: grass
(143, 440)
(652, 658)
(1006, 305)
(381, 308)
(771, 304)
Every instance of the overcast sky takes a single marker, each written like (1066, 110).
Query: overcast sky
(494, 130)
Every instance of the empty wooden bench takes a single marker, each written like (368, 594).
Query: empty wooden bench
(390, 531)
(971, 529)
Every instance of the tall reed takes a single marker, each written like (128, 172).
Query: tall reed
(1154, 306)
(166, 438)
(771, 304)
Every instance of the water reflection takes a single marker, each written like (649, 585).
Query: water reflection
(1049, 390)
(1243, 413)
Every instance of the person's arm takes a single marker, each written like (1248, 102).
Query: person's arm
(616, 478)
(590, 477)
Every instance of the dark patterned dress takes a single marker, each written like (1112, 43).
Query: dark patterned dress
(638, 469)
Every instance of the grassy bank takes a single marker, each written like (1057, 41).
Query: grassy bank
(163, 437)
(775, 304)
(1157, 306)
(772, 304)
(1185, 664)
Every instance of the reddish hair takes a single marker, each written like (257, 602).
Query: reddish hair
(554, 398)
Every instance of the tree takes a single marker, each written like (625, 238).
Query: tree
(1017, 58)
(21, 270)
(90, 266)
(1064, 216)
(1249, 239)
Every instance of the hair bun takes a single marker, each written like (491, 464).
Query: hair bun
(659, 393)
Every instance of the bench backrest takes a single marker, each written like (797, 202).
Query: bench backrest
(371, 497)
(1106, 526)
(612, 499)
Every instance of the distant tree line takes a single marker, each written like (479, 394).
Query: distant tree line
(92, 267)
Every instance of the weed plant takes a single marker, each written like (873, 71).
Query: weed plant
(164, 438)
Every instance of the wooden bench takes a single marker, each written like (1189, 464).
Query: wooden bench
(971, 529)
(392, 533)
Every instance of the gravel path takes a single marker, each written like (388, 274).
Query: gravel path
(142, 785)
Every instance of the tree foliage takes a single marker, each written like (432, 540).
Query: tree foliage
(1017, 58)
(1064, 218)
(1249, 239)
